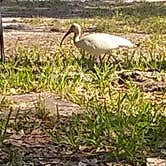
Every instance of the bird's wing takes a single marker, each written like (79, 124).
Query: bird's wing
(106, 41)
(86, 43)
(99, 43)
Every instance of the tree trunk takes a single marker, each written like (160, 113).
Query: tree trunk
(1, 40)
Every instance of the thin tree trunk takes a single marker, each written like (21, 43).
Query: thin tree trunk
(1, 40)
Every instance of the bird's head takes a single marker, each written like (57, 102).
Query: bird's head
(75, 28)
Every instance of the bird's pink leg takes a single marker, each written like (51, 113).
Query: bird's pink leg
(102, 58)
(114, 58)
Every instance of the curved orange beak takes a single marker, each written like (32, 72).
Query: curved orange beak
(69, 31)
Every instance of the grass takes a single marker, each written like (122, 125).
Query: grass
(118, 119)
(125, 125)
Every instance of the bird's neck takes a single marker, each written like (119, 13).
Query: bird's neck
(76, 37)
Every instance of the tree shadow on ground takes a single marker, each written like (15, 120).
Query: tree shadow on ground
(90, 9)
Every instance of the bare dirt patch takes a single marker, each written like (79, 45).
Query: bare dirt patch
(50, 101)
(23, 35)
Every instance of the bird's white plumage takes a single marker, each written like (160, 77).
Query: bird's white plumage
(100, 43)
(97, 43)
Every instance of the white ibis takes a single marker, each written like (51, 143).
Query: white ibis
(96, 43)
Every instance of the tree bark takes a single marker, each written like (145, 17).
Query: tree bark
(1, 40)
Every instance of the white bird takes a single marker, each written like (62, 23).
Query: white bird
(97, 43)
